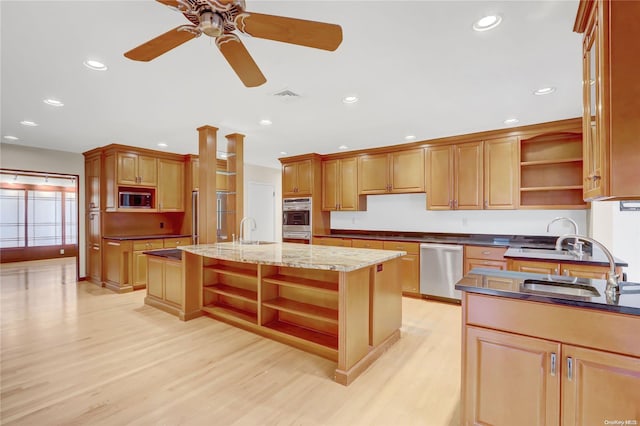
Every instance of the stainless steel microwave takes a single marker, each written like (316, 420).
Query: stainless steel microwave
(135, 200)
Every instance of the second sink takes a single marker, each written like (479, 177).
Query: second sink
(560, 288)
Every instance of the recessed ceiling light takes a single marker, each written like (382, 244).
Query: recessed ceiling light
(265, 122)
(511, 121)
(28, 123)
(283, 152)
(343, 147)
(544, 91)
(409, 137)
(53, 102)
(11, 138)
(162, 144)
(350, 99)
(487, 22)
(95, 65)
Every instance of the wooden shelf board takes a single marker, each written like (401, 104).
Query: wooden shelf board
(231, 313)
(555, 161)
(235, 292)
(325, 340)
(303, 309)
(236, 272)
(290, 281)
(552, 188)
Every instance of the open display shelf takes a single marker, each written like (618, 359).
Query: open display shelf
(305, 334)
(303, 309)
(234, 292)
(551, 171)
(231, 313)
(231, 291)
(298, 282)
(232, 271)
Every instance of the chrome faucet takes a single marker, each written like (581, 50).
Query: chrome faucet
(613, 286)
(577, 245)
(253, 228)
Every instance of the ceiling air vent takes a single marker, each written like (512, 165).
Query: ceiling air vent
(286, 94)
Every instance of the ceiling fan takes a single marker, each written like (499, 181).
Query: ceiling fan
(219, 18)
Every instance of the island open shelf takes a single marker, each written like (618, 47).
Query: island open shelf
(344, 305)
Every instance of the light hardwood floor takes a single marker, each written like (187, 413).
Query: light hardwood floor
(74, 353)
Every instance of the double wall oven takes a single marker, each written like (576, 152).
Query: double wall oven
(296, 220)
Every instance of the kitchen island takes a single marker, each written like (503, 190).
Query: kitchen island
(546, 349)
(344, 304)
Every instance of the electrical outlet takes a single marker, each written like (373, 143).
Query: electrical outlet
(61, 251)
(161, 225)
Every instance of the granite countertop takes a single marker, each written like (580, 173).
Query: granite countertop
(173, 254)
(145, 237)
(596, 258)
(509, 284)
(343, 259)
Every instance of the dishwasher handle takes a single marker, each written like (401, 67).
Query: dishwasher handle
(449, 247)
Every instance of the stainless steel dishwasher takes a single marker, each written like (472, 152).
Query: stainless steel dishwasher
(440, 270)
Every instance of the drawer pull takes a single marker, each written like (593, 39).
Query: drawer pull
(486, 252)
(111, 243)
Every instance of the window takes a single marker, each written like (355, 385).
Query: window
(12, 218)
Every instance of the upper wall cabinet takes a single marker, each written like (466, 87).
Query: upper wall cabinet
(454, 177)
(397, 172)
(170, 185)
(136, 169)
(297, 178)
(501, 171)
(92, 165)
(611, 98)
(340, 185)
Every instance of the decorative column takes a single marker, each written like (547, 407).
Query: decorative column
(207, 220)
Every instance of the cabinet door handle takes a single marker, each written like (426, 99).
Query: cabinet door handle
(596, 177)
(553, 364)
(97, 248)
(555, 271)
(569, 368)
(450, 204)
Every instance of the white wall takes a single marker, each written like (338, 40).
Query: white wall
(271, 176)
(620, 232)
(18, 157)
(407, 212)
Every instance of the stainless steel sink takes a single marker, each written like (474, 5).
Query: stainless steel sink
(555, 254)
(256, 243)
(561, 288)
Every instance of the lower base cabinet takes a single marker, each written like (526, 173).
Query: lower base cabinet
(409, 265)
(512, 378)
(567, 269)
(165, 285)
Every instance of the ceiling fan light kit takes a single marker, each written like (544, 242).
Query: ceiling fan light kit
(220, 18)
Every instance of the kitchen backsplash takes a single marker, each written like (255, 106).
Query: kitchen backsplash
(407, 212)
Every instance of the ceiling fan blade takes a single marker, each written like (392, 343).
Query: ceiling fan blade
(240, 60)
(290, 30)
(161, 44)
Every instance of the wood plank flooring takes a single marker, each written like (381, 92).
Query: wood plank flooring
(77, 354)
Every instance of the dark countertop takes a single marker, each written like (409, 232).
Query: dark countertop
(147, 237)
(173, 254)
(512, 241)
(531, 241)
(509, 284)
(596, 258)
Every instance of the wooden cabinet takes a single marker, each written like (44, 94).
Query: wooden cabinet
(484, 257)
(611, 93)
(584, 399)
(139, 261)
(510, 377)
(340, 185)
(332, 241)
(170, 185)
(455, 176)
(551, 171)
(166, 286)
(115, 268)
(297, 178)
(92, 167)
(409, 265)
(371, 244)
(396, 172)
(534, 267)
(544, 364)
(136, 169)
(558, 268)
(501, 172)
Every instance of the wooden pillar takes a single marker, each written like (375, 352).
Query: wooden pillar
(235, 164)
(207, 217)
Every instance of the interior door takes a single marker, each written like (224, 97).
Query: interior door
(262, 207)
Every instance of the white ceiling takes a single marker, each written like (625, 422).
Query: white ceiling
(417, 67)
